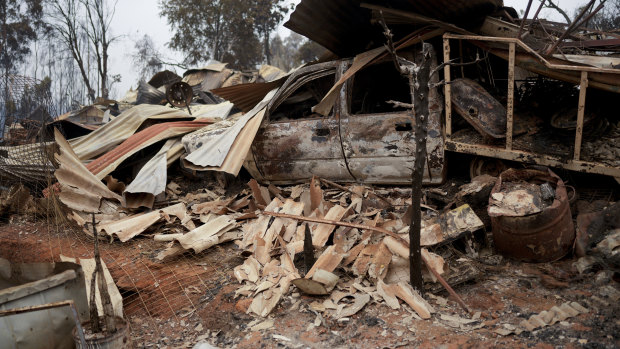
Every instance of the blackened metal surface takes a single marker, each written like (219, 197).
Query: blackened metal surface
(345, 28)
(379, 147)
(292, 151)
(179, 94)
(148, 94)
(163, 78)
(372, 148)
(479, 108)
(246, 96)
(540, 237)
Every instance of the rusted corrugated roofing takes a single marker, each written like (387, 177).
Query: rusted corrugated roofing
(106, 163)
(345, 28)
(114, 132)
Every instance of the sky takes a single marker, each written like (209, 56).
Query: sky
(134, 18)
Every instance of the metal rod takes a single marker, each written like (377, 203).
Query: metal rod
(527, 12)
(530, 157)
(533, 53)
(511, 95)
(571, 27)
(68, 303)
(542, 3)
(583, 86)
(461, 58)
(188, 109)
(340, 223)
(446, 87)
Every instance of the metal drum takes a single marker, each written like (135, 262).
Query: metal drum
(544, 236)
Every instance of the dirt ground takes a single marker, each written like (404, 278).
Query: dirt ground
(192, 299)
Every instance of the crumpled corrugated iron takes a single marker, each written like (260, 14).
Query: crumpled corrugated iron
(80, 190)
(152, 178)
(225, 150)
(106, 163)
(120, 128)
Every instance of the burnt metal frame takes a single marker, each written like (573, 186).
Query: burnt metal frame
(576, 164)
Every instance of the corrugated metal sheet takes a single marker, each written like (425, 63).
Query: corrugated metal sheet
(213, 149)
(246, 96)
(68, 128)
(105, 164)
(215, 66)
(270, 73)
(345, 28)
(80, 190)
(162, 78)
(152, 178)
(113, 133)
(148, 94)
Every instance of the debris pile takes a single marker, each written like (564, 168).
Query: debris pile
(346, 245)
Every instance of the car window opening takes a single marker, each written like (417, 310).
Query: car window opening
(299, 104)
(377, 84)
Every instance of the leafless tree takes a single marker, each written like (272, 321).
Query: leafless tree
(83, 28)
(97, 28)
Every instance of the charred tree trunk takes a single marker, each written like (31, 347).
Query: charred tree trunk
(418, 80)
(266, 47)
(419, 77)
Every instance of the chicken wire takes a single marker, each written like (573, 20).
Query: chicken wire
(25, 108)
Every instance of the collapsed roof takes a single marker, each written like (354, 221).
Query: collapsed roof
(345, 28)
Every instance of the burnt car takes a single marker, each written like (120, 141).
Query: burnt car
(363, 139)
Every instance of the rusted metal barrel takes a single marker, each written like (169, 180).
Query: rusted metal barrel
(539, 237)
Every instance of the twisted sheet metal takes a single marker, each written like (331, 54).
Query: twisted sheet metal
(153, 176)
(107, 163)
(108, 136)
(345, 28)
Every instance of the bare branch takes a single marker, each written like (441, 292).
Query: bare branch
(453, 64)
(552, 5)
(398, 104)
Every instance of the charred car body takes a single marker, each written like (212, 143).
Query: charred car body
(363, 139)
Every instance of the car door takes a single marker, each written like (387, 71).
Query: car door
(378, 139)
(294, 143)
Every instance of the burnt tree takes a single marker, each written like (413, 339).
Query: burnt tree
(419, 77)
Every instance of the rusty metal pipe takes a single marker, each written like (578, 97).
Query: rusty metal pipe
(576, 23)
(527, 12)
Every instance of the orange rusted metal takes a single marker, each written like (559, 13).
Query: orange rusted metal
(138, 140)
(540, 237)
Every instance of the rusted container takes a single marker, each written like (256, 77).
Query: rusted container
(539, 237)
